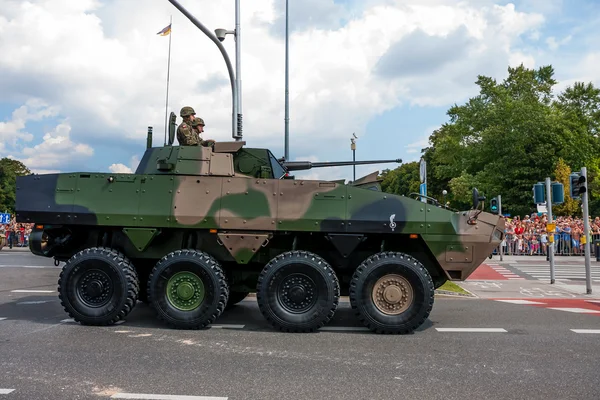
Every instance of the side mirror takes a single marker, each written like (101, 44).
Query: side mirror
(475, 198)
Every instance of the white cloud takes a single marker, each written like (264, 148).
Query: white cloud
(119, 168)
(105, 66)
(56, 150)
(553, 44)
(12, 132)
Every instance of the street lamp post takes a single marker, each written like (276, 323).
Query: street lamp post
(237, 34)
(353, 147)
(287, 87)
(236, 128)
(444, 193)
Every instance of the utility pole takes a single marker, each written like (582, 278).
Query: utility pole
(550, 231)
(500, 214)
(287, 86)
(586, 233)
(238, 68)
(353, 147)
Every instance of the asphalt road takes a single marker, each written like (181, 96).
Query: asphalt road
(525, 351)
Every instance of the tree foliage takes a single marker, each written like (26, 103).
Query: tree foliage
(570, 206)
(402, 180)
(511, 135)
(9, 170)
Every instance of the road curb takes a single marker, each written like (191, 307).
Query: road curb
(455, 294)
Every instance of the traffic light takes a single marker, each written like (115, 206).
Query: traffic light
(558, 193)
(539, 193)
(578, 185)
(494, 205)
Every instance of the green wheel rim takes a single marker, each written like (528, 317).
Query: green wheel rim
(185, 291)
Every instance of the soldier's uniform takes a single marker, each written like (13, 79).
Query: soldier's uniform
(186, 135)
(195, 124)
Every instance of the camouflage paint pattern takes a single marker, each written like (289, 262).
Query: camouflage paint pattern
(235, 193)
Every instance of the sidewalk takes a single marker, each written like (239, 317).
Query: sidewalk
(7, 249)
(526, 258)
(519, 289)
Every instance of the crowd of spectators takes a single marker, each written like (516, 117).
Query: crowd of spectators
(16, 234)
(529, 236)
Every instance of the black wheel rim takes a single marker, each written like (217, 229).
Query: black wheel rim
(94, 288)
(297, 293)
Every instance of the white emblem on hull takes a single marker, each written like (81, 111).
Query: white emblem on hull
(392, 223)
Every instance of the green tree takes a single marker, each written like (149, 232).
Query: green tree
(9, 170)
(402, 180)
(570, 206)
(504, 139)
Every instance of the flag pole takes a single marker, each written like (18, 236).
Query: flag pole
(168, 74)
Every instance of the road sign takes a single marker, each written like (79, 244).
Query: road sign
(4, 218)
(423, 171)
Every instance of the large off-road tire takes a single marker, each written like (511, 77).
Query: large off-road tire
(236, 297)
(98, 286)
(298, 291)
(188, 289)
(391, 293)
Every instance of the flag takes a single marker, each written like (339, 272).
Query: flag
(165, 31)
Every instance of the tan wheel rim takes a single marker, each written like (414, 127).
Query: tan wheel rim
(392, 294)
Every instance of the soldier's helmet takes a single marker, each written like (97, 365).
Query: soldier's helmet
(197, 121)
(186, 111)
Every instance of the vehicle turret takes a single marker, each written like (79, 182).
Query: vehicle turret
(225, 159)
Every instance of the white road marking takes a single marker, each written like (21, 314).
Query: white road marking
(36, 302)
(520, 301)
(586, 330)
(28, 266)
(470, 330)
(344, 328)
(227, 326)
(144, 396)
(68, 320)
(123, 331)
(2, 318)
(32, 291)
(519, 278)
(141, 335)
(6, 391)
(575, 310)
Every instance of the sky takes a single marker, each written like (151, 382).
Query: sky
(81, 81)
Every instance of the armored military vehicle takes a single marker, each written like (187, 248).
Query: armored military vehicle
(196, 229)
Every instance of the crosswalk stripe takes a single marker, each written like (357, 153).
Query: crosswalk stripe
(488, 330)
(575, 310)
(517, 301)
(2, 318)
(586, 330)
(6, 391)
(148, 396)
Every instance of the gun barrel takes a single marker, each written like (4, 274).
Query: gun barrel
(303, 165)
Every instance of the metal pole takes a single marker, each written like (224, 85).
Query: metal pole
(354, 166)
(168, 74)
(586, 232)
(287, 86)
(551, 247)
(500, 214)
(238, 65)
(235, 134)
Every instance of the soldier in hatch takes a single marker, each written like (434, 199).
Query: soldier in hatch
(198, 128)
(186, 136)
